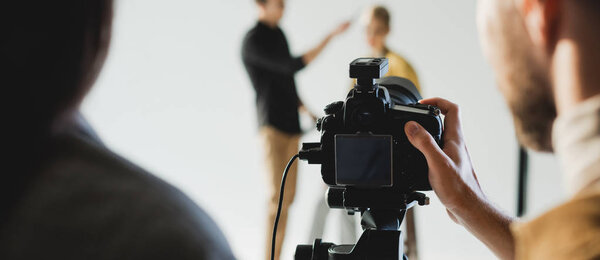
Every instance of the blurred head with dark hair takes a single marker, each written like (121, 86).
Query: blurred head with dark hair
(270, 12)
(50, 55)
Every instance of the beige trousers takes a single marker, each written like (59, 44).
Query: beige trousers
(279, 147)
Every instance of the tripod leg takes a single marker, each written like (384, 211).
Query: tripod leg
(411, 235)
(319, 218)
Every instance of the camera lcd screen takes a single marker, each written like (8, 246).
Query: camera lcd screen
(363, 160)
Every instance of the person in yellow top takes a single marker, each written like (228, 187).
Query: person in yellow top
(377, 20)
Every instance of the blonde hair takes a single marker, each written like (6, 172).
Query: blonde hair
(379, 13)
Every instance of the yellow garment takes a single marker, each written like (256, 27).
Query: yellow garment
(570, 231)
(399, 67)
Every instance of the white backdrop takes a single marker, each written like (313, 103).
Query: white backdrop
(175, 99)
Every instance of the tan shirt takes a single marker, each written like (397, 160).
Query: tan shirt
(571, 230)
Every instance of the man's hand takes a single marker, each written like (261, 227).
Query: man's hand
(451, 173)
(309, 56)
(302, 108)
(313, 117)
(454, 181)
(340, 29)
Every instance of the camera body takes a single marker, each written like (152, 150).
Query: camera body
(363, 145)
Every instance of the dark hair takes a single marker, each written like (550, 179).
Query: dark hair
(260, 1)
(50, 54)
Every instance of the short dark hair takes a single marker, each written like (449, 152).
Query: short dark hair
(51, 52)
(50, 55)
(260, 1)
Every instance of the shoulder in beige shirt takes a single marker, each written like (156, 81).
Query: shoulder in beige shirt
(569, 231)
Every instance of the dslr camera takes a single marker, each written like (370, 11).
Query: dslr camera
(363, 145)
(368, 162)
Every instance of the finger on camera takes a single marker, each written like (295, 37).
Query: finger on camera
(451, 112)
(424, 142)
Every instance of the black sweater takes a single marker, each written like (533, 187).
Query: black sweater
(271, 69)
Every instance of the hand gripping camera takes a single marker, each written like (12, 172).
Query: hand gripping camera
(368, 162)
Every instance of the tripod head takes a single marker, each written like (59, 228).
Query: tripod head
(359, 200)
(381, 238)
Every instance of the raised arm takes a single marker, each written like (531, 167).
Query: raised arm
(454, 181)
(254, 53)
(309, 56)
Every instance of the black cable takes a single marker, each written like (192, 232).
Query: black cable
(285, 172)
(522, 182)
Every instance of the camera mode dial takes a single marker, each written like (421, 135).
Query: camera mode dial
(334, 107)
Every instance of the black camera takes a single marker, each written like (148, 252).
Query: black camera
(368, 162)
(363, 144)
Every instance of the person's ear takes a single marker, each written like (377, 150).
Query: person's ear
(542, 19)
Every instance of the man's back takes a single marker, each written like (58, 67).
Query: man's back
(88, 203)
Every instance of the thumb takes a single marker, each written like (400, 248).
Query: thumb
(423, 141)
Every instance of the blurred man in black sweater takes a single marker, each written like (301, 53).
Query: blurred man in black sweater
(271, 69)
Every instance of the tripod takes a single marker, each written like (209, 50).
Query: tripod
(381, 238)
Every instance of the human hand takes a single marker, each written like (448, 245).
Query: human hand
(451, 172)
(313, 117)
(340, 29)
(309, 56)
